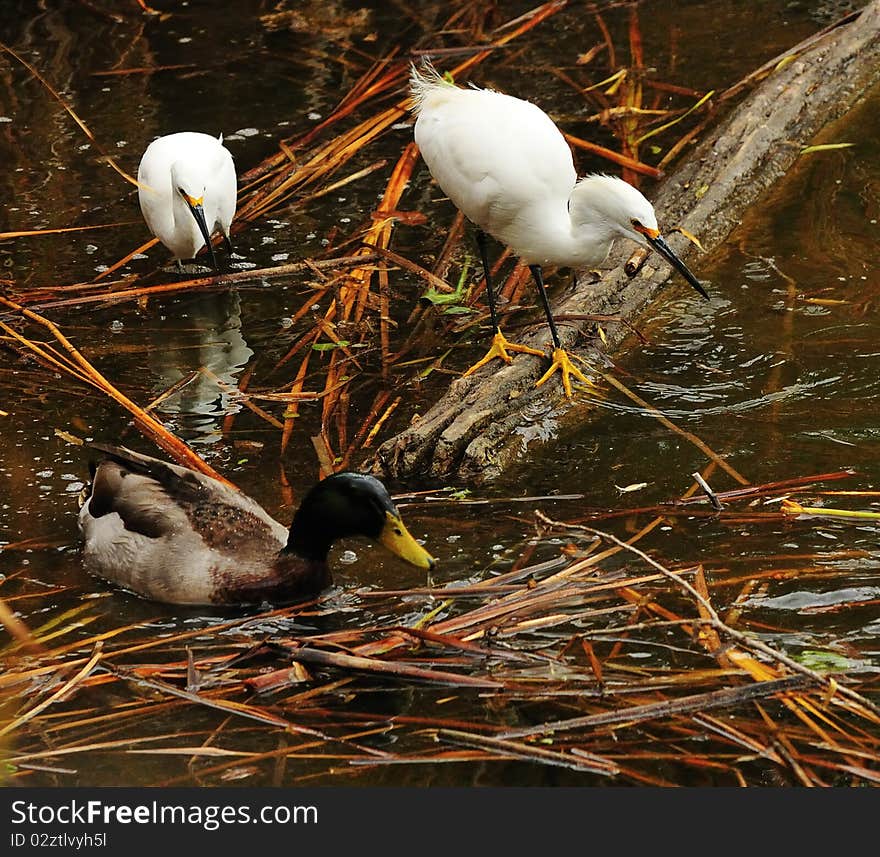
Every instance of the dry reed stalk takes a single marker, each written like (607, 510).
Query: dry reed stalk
(369, 85)
(736, 736)
(335, 186)
(227, 706)
(689, 436)
(298, 752)
(520, 600)
(380, 422)
(352, 298)
(212, 281)
(322, 163)
(121, 744)
(520, 26)
(781, 486)
(84, 371)
(429, 277)
(124, 711)
(17, 630)
(632, 97)
(126, 259)
(506, 748)
(700, 702)
(150, 69)
(65, 688)
(292, 410)
(243, 398)
(82, 125)
(7, 679)
(626, 161)
(310, 655)
(28, 233)
(743, 659)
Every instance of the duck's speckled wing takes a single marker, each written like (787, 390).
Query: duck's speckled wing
(156, 498)
(170, 533)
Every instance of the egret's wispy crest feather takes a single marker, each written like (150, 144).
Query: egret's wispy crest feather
(422, 81)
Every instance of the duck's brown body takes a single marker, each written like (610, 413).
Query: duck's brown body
(171, 534)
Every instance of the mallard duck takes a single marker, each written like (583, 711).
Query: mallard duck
(171, 534)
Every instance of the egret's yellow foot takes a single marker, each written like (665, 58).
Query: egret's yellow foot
(500, 348)
(562, 362)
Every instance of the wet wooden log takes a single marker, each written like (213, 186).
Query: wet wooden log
(487, 421)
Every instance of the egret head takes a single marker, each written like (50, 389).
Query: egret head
(190, 184)
(623, 210)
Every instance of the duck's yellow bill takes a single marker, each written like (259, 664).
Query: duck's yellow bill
(396, 538)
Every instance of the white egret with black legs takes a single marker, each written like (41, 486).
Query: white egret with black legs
(187, 189)
(504, 163)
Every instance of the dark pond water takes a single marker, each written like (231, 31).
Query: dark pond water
(778, 373)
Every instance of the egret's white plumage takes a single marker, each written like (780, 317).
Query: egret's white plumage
(507, 167)
(187, 190)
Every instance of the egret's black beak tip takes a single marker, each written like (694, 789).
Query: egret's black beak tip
(199, 214)
(670, 255)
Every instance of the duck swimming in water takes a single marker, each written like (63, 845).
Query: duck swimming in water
(172, 534)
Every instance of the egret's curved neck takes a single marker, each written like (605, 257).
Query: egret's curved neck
(563, 233)
(575, 236)
(592, 229)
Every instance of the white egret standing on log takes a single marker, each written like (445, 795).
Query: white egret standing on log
(507, 167)
(187, 190)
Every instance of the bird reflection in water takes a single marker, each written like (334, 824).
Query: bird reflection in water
(201, 340)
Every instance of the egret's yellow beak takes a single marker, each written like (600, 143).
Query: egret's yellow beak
(396, 538)
(647, 231)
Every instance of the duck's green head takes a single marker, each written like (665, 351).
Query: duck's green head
(352, 504)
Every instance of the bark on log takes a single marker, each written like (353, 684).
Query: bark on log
(485, 422)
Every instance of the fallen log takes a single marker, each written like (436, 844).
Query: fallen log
(485, 422)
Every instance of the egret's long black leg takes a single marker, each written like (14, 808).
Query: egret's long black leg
(561, 361)
(228, 243)
(539, 282)
(500, 346)
(483, 247)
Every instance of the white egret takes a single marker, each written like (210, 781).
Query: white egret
(187, 190)
(507, 167)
